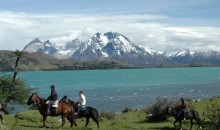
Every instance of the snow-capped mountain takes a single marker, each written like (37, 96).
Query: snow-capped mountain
(112, 46)
(116, 47)
(34, 46)
(46, 47)
(176, 53)
(187, 56)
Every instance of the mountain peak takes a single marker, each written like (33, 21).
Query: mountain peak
(36, 40)
(34, 46)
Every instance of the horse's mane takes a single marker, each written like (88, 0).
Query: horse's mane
(69, 101)
(42, 99)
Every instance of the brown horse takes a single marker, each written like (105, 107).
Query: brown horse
(64, 110)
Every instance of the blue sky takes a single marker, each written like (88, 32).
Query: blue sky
(154, 24)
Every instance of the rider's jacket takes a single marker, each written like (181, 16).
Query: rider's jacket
(184, 104)
(82, 100)
(53, 95)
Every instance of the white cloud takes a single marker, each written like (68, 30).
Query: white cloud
(194, 38)
(17, 29)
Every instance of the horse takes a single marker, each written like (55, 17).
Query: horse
(64, 110)
(90, 112)
(3, 108)
(178, 114)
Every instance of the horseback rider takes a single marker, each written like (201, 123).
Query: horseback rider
(82, 101)
(185, 108)
(51, 99)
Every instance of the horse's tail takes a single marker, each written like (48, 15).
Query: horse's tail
(96, 113)
(93, 112)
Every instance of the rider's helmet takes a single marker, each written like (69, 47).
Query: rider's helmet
(52, 86)
(80, 92)
(182, 99)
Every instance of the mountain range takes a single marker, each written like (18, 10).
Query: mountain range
(113, 46)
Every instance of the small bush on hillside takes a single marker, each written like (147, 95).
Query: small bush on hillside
(212, 112)
(127, 110)
(107, 115)
(157, 112)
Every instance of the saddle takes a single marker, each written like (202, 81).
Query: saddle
(55, 104)
(82, 110)
(187, 113)
(53, 108)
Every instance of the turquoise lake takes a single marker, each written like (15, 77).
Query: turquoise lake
(113, 90)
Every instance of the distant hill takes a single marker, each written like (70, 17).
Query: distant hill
(42, 61)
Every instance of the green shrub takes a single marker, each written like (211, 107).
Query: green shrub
(107, 115)
(157, 111)
(127, 110)
(20, 92)
(212, 112)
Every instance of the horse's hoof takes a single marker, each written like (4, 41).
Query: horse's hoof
(45, 126)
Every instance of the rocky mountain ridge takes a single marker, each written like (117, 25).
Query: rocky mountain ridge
(112, 46)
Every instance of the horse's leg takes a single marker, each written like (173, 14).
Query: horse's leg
(180, 122)
(95, 118)
(87, 120)
(174, 123)
(74, 121)
(191, 122)
(44, 121)
(63, 121)
(96, 121)
(198, 122)
(70, 120)
(1, 118)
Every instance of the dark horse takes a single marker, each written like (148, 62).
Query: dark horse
(3, 108)
(179, 116)
(90, 112)
(64, 110)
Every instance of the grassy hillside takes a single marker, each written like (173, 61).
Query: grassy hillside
(41, 61)
(31, 120)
